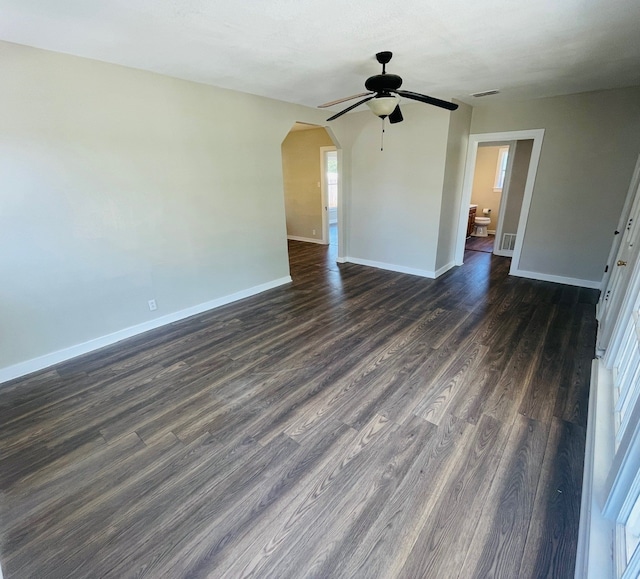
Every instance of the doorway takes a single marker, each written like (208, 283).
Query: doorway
(509, 243)
(490, 183)
(329, 164)
(311, 166)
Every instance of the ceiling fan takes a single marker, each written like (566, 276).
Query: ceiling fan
(384, 95)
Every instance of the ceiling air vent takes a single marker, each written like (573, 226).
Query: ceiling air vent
(485, 93)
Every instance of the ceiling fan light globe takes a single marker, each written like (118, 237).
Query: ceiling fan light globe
(383, 106)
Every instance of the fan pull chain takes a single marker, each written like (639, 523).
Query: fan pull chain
(382, 136)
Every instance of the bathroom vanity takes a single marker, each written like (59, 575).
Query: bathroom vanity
(472, 219)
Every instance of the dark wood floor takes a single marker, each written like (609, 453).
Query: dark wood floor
(480, 243)
(358, 423)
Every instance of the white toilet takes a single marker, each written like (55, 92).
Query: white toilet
(482, 223)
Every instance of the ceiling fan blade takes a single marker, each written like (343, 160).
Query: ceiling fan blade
(342, 112)
(355, 96)
(396, 116)
(423, 98)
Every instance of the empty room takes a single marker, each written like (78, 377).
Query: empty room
(257, 318)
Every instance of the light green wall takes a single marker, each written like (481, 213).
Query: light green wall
(119, 186)
(301, 168)
(591, 144)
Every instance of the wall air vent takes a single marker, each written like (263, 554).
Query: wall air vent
(485, 93)
(508, 242)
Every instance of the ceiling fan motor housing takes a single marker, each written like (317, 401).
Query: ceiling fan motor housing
(383, 82)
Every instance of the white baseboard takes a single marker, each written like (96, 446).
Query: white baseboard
(444, 269)
(392, 267)
(556, 278)
(491, 231)
(341, 259)
(306, 239)
(503, 252)
(594, 557)
(42, 362)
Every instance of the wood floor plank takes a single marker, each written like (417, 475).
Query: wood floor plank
(499, 540)
(553, 532)
(361, 505)
(438, 550)
(111, 508)
(330, 444)
(288, 531)
(50, 508)
(576, 371)
(383, 550)
(213, 513)
(455, 380)
(510, 390)
(543, 388)
(46, 484)
(359, 384)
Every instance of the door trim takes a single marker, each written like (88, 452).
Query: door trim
(472, 150)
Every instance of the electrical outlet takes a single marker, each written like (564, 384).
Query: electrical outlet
(153, 305)
(314, 231)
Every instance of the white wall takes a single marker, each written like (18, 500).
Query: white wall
(118, 186)
(457, 142)
(395, 194)
(591, 143)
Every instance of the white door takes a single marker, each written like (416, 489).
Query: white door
(329, 187)
(620, 271)
(624, 216)
(332, 185)
(609, 543)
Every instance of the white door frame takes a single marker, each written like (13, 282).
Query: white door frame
(472, 150)
(506, 186)
(324, 193)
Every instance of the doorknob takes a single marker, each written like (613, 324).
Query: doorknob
(620, 262)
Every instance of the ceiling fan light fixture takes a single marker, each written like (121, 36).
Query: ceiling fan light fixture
(383, 106)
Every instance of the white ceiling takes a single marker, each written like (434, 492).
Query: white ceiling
(309, 52)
